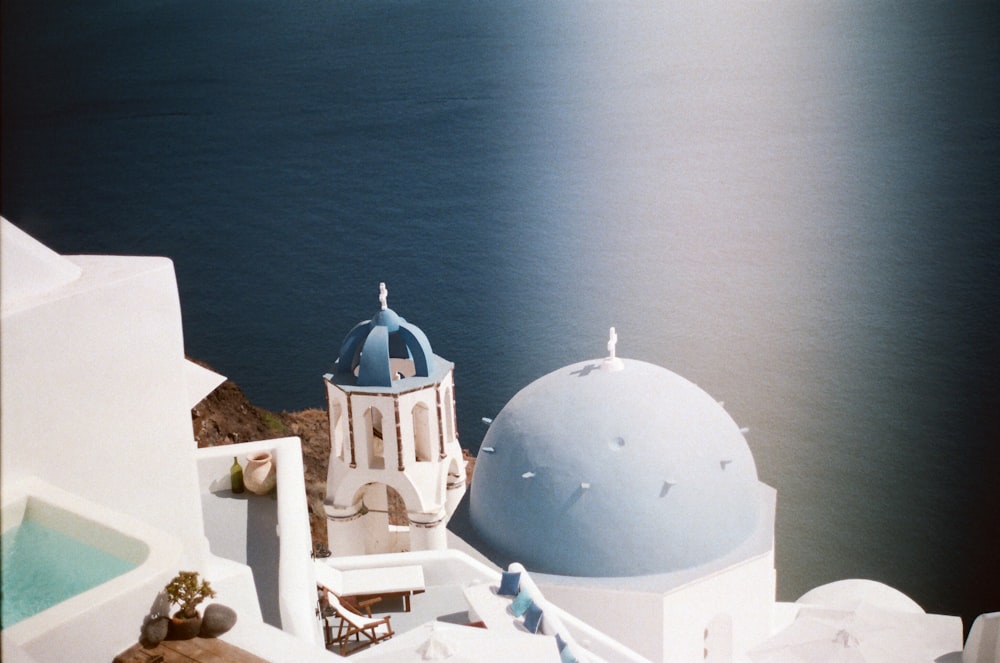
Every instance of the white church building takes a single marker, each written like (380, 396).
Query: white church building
(617, 500)
(392, 428)
(620, 483)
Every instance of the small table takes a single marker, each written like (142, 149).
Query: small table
(188, 651)
(389, 581)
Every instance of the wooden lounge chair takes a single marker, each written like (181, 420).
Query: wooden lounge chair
(365, 630)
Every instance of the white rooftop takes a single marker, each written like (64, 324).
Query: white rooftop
(28, 267)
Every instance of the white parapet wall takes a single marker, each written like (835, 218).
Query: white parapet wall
(230, 529)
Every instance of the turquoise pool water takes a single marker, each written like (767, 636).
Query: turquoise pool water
(42, 567)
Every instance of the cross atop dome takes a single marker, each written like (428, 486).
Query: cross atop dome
(383, 295)
(612, 362)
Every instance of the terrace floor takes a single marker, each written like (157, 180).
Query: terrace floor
(443, 603)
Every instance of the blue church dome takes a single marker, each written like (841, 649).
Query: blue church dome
(384, 348)
(612, 468)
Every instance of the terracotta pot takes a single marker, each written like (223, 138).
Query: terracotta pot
(183, 628)
(259, 476)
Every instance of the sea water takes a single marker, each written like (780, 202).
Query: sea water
(42, 567)
(792, 204)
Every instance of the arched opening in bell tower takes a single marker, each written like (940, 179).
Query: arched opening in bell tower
(386, 527)
(422, 443)
(337, 432)
(448, 407)
(376, 445)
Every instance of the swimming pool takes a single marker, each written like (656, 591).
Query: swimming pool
(42, 567)
(73, 568)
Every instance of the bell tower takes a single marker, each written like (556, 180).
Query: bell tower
(396, 472)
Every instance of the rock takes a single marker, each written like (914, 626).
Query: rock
(154, 630)
(217, 620)
(160, 607)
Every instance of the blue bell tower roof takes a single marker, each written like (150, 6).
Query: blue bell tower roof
(370, 348)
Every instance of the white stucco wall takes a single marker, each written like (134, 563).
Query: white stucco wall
(632, 617)
(742, 595)
(671, 626)
(95, 397)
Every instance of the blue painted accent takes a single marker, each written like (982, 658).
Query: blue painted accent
(370, 345)
(387, 318)
(374, 367)
(419, 347)
(350, 349)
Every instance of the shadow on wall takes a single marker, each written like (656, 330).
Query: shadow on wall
(263, 554)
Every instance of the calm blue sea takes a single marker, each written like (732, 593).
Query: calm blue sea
(794, 204)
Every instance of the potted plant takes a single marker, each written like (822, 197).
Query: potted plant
(186, 591)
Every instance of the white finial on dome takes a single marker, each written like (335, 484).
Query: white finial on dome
(612, 362)
(383, 295)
